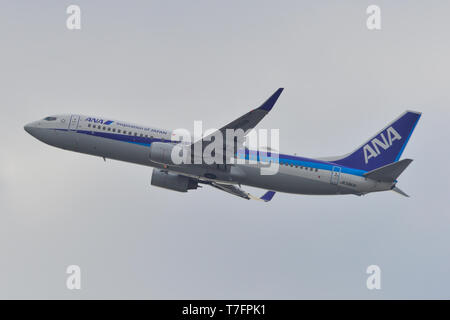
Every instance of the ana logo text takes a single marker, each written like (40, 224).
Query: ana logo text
(101, 121)
(372, 149)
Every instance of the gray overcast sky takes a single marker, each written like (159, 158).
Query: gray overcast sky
(168, 63)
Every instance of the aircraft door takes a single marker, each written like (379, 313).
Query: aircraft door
(73, 123)
(335, 175)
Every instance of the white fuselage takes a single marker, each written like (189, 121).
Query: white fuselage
(128, 142)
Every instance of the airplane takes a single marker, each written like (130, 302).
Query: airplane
(372, 167)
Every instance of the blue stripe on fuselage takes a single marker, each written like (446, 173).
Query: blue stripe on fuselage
(143, 141)
(298, 161)
(249, 154)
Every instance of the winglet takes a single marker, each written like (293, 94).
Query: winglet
(268, 105)
(268, 196)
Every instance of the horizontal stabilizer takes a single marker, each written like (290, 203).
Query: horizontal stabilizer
(398, 190)
(389, 172)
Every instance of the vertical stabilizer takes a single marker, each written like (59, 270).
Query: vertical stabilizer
(383, 148)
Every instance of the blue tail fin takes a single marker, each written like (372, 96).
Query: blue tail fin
(385, 147)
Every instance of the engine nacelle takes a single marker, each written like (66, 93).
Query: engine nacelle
(162, 153)
(172, 181)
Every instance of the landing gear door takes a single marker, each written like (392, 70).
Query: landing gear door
(335, 175)
(73, 123)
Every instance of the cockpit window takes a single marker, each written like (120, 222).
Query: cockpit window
(50, 119)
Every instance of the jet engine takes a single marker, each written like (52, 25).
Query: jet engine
(172, 181)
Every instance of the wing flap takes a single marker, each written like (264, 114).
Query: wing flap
(232, 189)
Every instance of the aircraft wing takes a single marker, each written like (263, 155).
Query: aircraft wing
(247, 122)
(241, 193)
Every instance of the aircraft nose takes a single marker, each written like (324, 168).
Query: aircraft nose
(28, 128)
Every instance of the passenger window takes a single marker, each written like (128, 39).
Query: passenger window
(104, 128)
(109, 128)
(89, 125)
(135, 134)
(93, 126)
(142, 135)
(114, 130)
